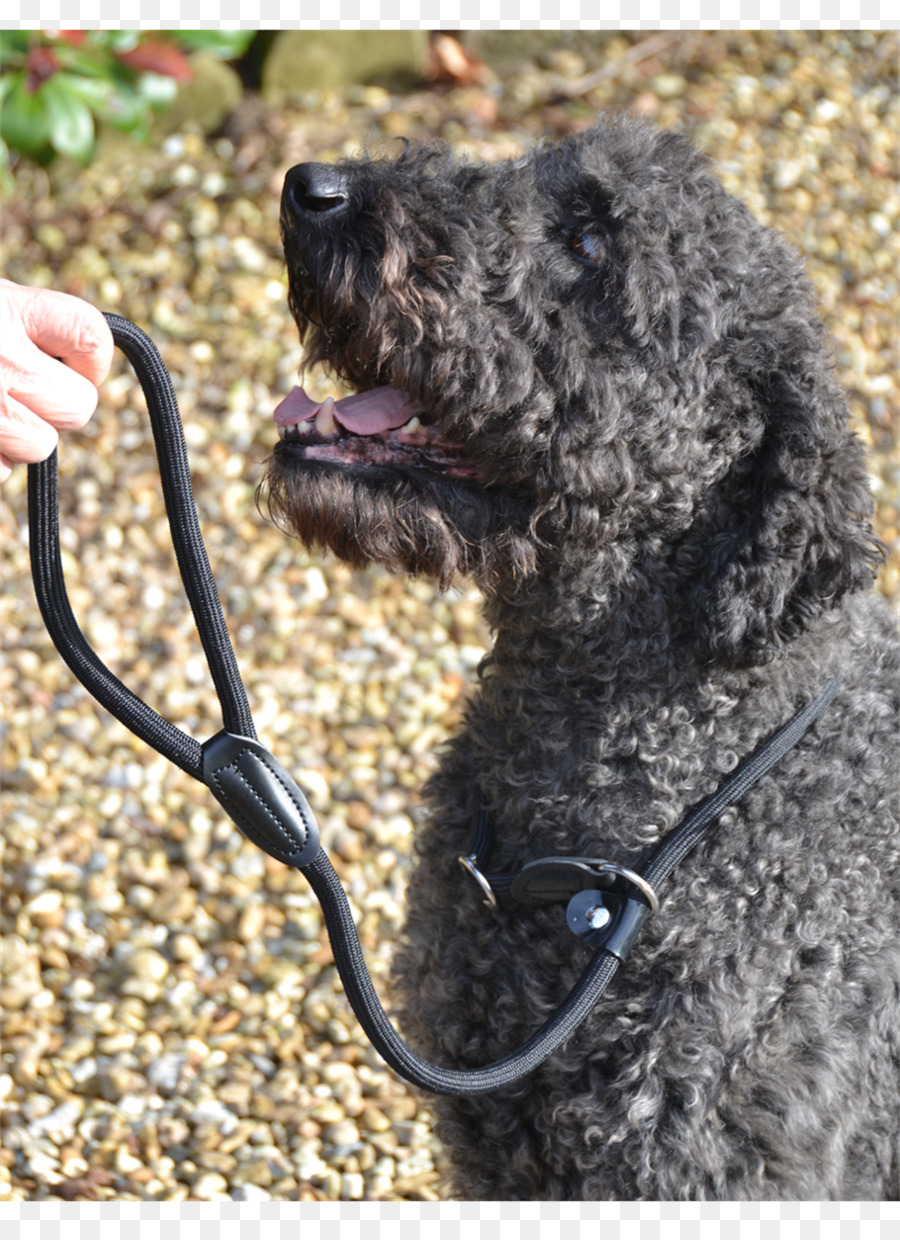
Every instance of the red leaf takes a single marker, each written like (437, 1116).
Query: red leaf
(41, 63)
(74, 38)
(157, 57)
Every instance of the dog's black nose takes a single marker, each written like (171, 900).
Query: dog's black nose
(316, 189)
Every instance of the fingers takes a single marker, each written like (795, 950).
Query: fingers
(23, 436)
(55, 350)
(55, 392)
(67, 328)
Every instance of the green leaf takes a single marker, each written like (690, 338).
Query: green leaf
(14, 45)
(86, 61)
(94, 91)
(71, 123)
(24, 123)
(125, 110)
(115, 40)
(157, 89)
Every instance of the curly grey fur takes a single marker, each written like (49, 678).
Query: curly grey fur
(670, 526)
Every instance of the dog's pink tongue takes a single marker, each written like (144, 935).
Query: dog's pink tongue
(366, 413)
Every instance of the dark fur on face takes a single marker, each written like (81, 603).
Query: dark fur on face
(630, 364)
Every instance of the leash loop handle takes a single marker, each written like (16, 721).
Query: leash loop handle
(190, 552)
(67, 637)
(193, 564)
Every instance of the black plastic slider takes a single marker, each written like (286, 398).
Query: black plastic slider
(606, 919)
(257, 793)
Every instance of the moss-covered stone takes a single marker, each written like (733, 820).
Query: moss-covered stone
(205, 101)
(304, 60)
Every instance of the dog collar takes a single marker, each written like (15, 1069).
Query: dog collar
(607, 903)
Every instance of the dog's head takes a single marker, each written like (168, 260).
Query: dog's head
(569, 365)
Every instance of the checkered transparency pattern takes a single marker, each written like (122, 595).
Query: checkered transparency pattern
(453, 1221)
(446, 14)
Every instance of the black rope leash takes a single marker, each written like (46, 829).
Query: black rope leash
(270, 809)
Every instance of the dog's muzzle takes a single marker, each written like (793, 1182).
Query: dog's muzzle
(315, 190)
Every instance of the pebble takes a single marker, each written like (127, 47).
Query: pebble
(343, 1136)
(216, 1113)
(172, 1022)
(249, 1192)
(58, 1123)
(210, 1187)
(164, 1072)
(148, 964)
(353, 1186)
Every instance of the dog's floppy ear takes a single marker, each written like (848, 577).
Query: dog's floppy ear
(785, 534)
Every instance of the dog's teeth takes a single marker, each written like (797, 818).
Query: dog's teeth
(295, 430)
(325, 423)
(414, 424)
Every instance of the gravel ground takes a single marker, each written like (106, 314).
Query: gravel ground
(172, 1023)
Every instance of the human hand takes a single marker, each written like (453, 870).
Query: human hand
(54, 351)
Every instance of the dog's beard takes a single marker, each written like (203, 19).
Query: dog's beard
(371, 478)
(410, 521)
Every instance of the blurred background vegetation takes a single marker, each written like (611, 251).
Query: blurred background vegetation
(55, 88)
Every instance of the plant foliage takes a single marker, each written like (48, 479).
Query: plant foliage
(56, 87)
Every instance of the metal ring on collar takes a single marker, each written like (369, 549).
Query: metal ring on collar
(611, 867)
(468, 864)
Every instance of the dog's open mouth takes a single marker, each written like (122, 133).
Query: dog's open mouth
(377, 427)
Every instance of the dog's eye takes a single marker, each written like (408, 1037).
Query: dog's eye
(588, 246)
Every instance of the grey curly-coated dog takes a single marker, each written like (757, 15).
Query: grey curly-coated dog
(627, 429)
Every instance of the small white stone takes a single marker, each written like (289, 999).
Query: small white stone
(250, 1192)
(353, 1186)
(315, 584)
(210, 1187)
(417, 1164)
(880, 224)
(47, 903)
(827, 110)
(58, 1123)
(148, 965)
(126, 1162)
(216, 1113)
(44, 1167)
(184, 174)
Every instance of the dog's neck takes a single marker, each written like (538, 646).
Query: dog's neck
(607, 623)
